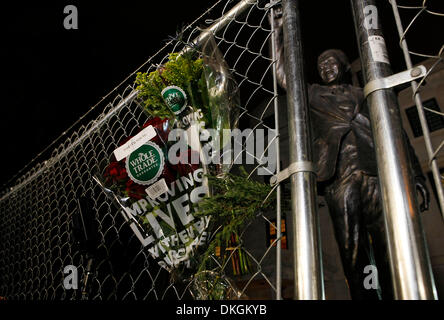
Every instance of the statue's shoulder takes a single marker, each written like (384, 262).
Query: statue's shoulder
(315, 92)
(316, 88)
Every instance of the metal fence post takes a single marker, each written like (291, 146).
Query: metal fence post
(278, 164)
(410, 267)
(307, 261)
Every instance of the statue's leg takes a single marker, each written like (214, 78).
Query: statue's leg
(372, 208)
(343, 198)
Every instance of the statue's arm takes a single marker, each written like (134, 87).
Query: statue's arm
(420, 180)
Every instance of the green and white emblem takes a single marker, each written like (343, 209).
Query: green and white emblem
(145, 164)
(175, 98)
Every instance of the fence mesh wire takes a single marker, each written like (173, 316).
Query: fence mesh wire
(418, 20)
(36, 212)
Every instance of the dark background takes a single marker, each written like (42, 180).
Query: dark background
(52, 75)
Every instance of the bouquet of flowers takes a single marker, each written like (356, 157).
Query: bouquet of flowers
(170, 179)
(159, 175)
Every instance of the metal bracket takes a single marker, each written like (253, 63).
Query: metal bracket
(273, 3)
(394, 80)
(300, 166)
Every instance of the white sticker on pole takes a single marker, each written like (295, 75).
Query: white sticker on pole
(134, 143)
(378, 49)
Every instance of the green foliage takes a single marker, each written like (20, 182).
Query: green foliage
(181, 70)
(235, 201)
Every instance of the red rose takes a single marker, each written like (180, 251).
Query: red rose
(122, 175)
(116, 172)
(113, 170)
(135, 190)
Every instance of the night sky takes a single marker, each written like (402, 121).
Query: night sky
(53, 75)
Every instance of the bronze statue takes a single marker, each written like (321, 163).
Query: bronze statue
(345, 159)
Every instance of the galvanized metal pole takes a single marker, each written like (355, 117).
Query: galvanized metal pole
(307, 260)
(421, 113)
(410, 266)
(222, 22)
(278, 163)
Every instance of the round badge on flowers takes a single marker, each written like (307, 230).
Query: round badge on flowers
(145, 165)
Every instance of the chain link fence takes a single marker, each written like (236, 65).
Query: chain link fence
(38, 207)
(413, 19)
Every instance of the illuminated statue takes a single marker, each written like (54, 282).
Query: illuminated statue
(345, 161)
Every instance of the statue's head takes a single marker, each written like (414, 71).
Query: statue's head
(333, 65)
